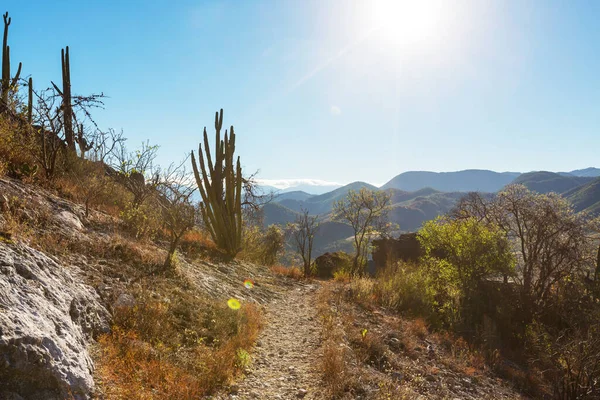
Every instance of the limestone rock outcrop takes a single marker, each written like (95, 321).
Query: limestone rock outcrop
(47, 319)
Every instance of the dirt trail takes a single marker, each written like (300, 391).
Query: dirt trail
(285, 361)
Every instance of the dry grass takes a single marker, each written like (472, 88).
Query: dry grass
(197, 244)
(290, 272)
(334, 364)
(178, 349)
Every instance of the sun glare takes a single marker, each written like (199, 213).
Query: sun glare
(408, 22)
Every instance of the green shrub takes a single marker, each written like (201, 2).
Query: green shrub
(459, 256)
(142, 221)
(262, 246)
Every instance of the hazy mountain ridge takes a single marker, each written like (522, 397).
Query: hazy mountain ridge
(471, 180)
(546, 182)
(586, 197)
(411, 208)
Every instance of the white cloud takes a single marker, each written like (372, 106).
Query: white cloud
(288, 183)
(335, 111)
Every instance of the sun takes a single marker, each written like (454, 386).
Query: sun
(408, 23)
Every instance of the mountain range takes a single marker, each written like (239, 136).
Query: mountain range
(470, 180)
(419, 196)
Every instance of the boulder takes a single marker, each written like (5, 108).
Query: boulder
(47, 318)
(405, 248)
(69, 220)
(327, 264)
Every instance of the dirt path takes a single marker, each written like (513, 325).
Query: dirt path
(287, 353)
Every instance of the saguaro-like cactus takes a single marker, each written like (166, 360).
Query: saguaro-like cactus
(220, 186)
(7, 82)
(30, 101)
(66, 95)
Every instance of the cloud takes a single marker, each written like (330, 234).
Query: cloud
(335, 111)
(288, 183)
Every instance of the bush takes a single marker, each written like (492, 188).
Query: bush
(328, 264)
(141, 221)
(262, 246)
(406, 288)
(16, 156)
(459, 255)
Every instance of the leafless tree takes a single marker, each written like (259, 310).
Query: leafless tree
(48, 127)
(175, 192)
(303, 234)
(105, 143)
(136, 170)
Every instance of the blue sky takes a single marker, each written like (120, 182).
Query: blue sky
(317, 89)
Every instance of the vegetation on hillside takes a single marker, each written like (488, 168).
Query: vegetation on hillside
(168, 340)
(516, 276)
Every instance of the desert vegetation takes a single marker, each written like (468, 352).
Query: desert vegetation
(167, 339)
(514, 276)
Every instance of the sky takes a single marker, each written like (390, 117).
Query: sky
(334, 91)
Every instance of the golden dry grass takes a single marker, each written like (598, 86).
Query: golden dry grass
(290, 272)
(154, 353)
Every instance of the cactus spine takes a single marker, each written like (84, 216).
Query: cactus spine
(67, 104)
(221, 189)
(7, 83)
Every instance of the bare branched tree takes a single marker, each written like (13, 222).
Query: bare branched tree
(105, 143)
(303, 234)
(175, 192)
(136, 170)
(48, 127)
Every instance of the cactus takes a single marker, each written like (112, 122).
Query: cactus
(30, 101)
(221, 190)
(7, 82)
(67, 102)
(83, 144)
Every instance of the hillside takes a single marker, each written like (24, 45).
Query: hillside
(586, 172)
(68, 278)
(294, 195)
(546, 182)
(471, 180)
(275, 213)
(586, 197)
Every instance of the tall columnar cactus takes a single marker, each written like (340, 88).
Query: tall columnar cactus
(30, 101)
(7, 82)
(67, 102)
(220, 186)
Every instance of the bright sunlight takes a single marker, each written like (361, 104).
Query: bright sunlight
(408, 23)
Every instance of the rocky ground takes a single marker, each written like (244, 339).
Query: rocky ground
(284, 364)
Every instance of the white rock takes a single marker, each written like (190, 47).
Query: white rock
(69, 220)
(46, 320)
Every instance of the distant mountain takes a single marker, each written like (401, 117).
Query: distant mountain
(588, 172)
(471, 180)
(275, 213)
(546, 182)
(321, 204)
(585, 197)
(297, 195)
(420, 196)
(311, 189)
(420, 207)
